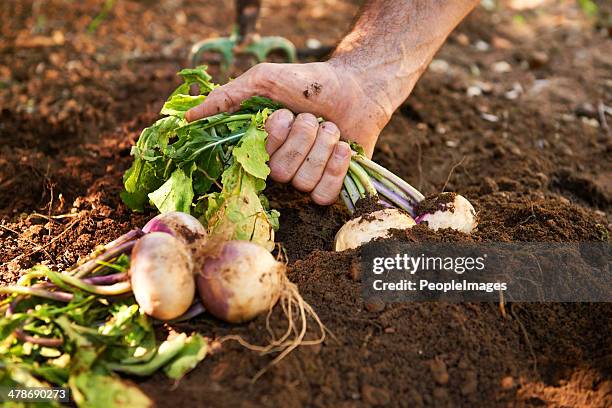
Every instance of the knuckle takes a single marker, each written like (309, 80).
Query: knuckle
(316, 162)
(336, 169)
(279, 172)
(303, 183)
(263, 78)
(305, 180)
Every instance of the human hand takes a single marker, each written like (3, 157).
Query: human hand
(302, 151)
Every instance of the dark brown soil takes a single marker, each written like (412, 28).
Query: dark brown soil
(531, 152)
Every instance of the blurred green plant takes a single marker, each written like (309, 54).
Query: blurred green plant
(102, 15)
(588, 7)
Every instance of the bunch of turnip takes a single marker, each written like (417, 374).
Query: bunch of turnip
(403, 206)
(172, 258)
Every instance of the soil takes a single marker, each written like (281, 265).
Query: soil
(508, 115)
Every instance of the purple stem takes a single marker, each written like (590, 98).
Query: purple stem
(106, 279)
(385, 203)
(193, 311)
(92, 264)
(43, 341)
(128, 236)
(344, 195)
(36, 291)
(393, 197)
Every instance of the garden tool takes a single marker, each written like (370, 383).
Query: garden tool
(243, 40)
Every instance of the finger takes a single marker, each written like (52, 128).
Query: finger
(227, 98)
(278, 126)
(285, 162)
(328, 189)
(309, 174)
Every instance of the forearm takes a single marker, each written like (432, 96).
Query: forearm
(393, 41)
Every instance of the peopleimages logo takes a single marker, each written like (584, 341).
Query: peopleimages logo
(412, 264)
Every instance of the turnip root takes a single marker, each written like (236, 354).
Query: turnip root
(161, 274)
(180, 225)
(448, 210)
(243, 281)
(377, 224)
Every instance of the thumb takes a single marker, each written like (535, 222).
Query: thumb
(226, 98)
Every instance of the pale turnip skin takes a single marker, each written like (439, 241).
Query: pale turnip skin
(378, 224)
(180, 225)
(458, 215)
(161, 274)
(242, 281)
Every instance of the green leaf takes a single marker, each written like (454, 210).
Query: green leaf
(237, 212)
(176, 194)
(166, 352)
(356, 147)
(134, 201)
(193, 352)
(257, 103)
(146, 173)
(251, 152)
(178, 104)
(96, 390)
(197, 76)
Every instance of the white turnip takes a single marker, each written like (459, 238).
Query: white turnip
(447, 210)
(242, 281)
(377, 224)
(161, 274)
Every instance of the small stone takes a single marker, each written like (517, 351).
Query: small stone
(515, 92)
(440, 129)
(482, 46)
(462, 39)
(590, 122)
(489, 117)
(507, 383)
(374, 395)
(538, 59)
(439, 66)
(473, 91)
(355, 270)
(502, 67)
(501, 43)
(389, 330)
(313, 43)
(452, 143)
(375, 306)
(515, 150)
(439, 371)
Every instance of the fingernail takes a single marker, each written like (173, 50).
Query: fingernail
(342, 150)
(309, 118)
(285, 117)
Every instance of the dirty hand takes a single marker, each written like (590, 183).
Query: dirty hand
(303, 151)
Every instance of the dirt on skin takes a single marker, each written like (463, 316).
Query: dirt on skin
(508, 115)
